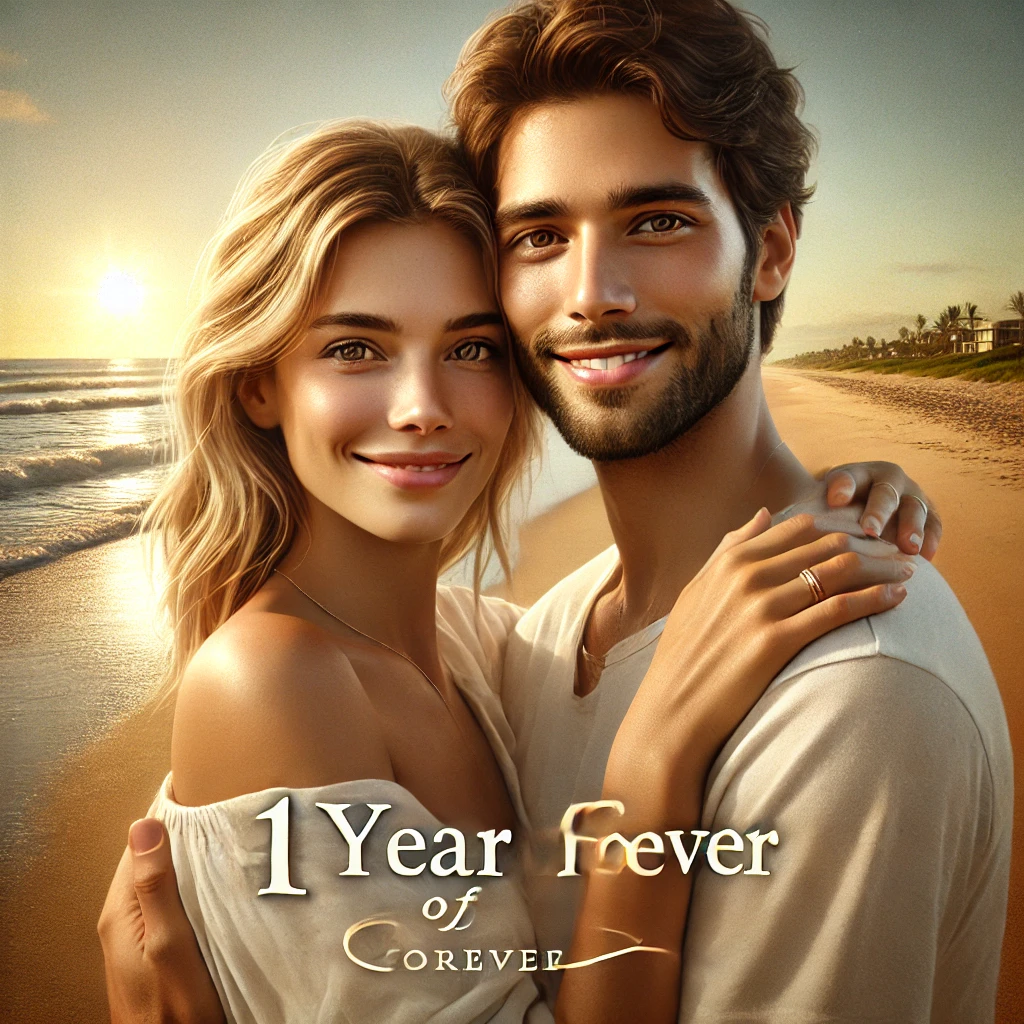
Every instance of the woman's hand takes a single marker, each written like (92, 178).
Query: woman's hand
(894, 506)
(734, 626)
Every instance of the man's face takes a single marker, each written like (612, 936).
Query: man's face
(624, 273)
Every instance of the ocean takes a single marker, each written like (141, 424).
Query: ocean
(82, 451)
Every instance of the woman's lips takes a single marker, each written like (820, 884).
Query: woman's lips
(416, 472)
(602, 369)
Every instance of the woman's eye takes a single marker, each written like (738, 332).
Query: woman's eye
(472, 352)
(352, 352)
(661, 223)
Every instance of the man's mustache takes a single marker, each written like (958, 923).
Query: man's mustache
(549, 342)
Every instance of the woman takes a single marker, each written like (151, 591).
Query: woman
(349, 423)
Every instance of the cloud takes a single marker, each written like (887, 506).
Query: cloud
(20, 108)
(927, 268)
(10, 59)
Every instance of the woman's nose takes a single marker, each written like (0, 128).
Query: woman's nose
(419, 404)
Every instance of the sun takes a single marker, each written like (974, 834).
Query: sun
(120, 293)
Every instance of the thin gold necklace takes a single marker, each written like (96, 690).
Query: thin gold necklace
(374, 640)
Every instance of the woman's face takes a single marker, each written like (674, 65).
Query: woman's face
(395, 406)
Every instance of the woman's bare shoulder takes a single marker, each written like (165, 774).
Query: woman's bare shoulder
(271, 700)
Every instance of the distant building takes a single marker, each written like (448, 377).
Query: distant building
(989, 334)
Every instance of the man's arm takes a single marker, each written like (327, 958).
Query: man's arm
(154, 969)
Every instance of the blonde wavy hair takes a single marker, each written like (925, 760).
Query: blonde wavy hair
(231, 505)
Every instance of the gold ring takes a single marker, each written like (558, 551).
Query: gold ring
(885, 483)
(921, 502)
(813, 585)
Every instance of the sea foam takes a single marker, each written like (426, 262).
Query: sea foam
(78, 383)
(107, 526)
(30, 406)
(48, 469)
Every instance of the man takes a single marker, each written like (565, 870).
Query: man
(647, 166)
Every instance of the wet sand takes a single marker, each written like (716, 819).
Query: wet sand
(55, 874)
(78, 654)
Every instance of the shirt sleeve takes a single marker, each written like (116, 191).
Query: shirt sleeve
(886, 896)
(300, 958)
(480, 627)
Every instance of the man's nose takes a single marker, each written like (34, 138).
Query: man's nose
(599, 285)
(419, 404)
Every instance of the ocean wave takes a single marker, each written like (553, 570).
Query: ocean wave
(106, 526)
(60, 467)
(79, 383)
(31, 406)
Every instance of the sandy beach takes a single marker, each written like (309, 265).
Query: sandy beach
(109, 748)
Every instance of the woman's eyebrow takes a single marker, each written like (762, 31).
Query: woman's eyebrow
(368, 321)
(462, 323)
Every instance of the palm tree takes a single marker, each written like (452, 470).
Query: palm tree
(1016, 305)
(948, 324)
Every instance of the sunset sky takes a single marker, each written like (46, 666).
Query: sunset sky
(124, 128)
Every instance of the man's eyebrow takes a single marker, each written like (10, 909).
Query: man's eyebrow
(462, 323)
(627, 196)
(368, 321)
(536, 209)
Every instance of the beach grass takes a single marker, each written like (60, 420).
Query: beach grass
(996, 367)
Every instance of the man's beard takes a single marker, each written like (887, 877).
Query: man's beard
(721, 353)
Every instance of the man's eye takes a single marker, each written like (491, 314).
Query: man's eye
(661, 223)
(352, 352)
(472, 352)
(539, 239)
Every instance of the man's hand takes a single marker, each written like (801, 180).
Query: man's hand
(894, 506)
(155, 971)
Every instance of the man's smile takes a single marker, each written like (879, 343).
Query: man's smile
(611, 365)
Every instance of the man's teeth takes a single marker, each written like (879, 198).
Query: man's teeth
(611, 363)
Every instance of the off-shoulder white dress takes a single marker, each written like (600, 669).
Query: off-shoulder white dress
(281, 958)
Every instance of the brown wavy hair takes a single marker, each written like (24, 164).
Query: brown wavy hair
(231, 505)
(705, 65)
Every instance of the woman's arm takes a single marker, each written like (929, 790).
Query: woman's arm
(733, 628)
(268, 701)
